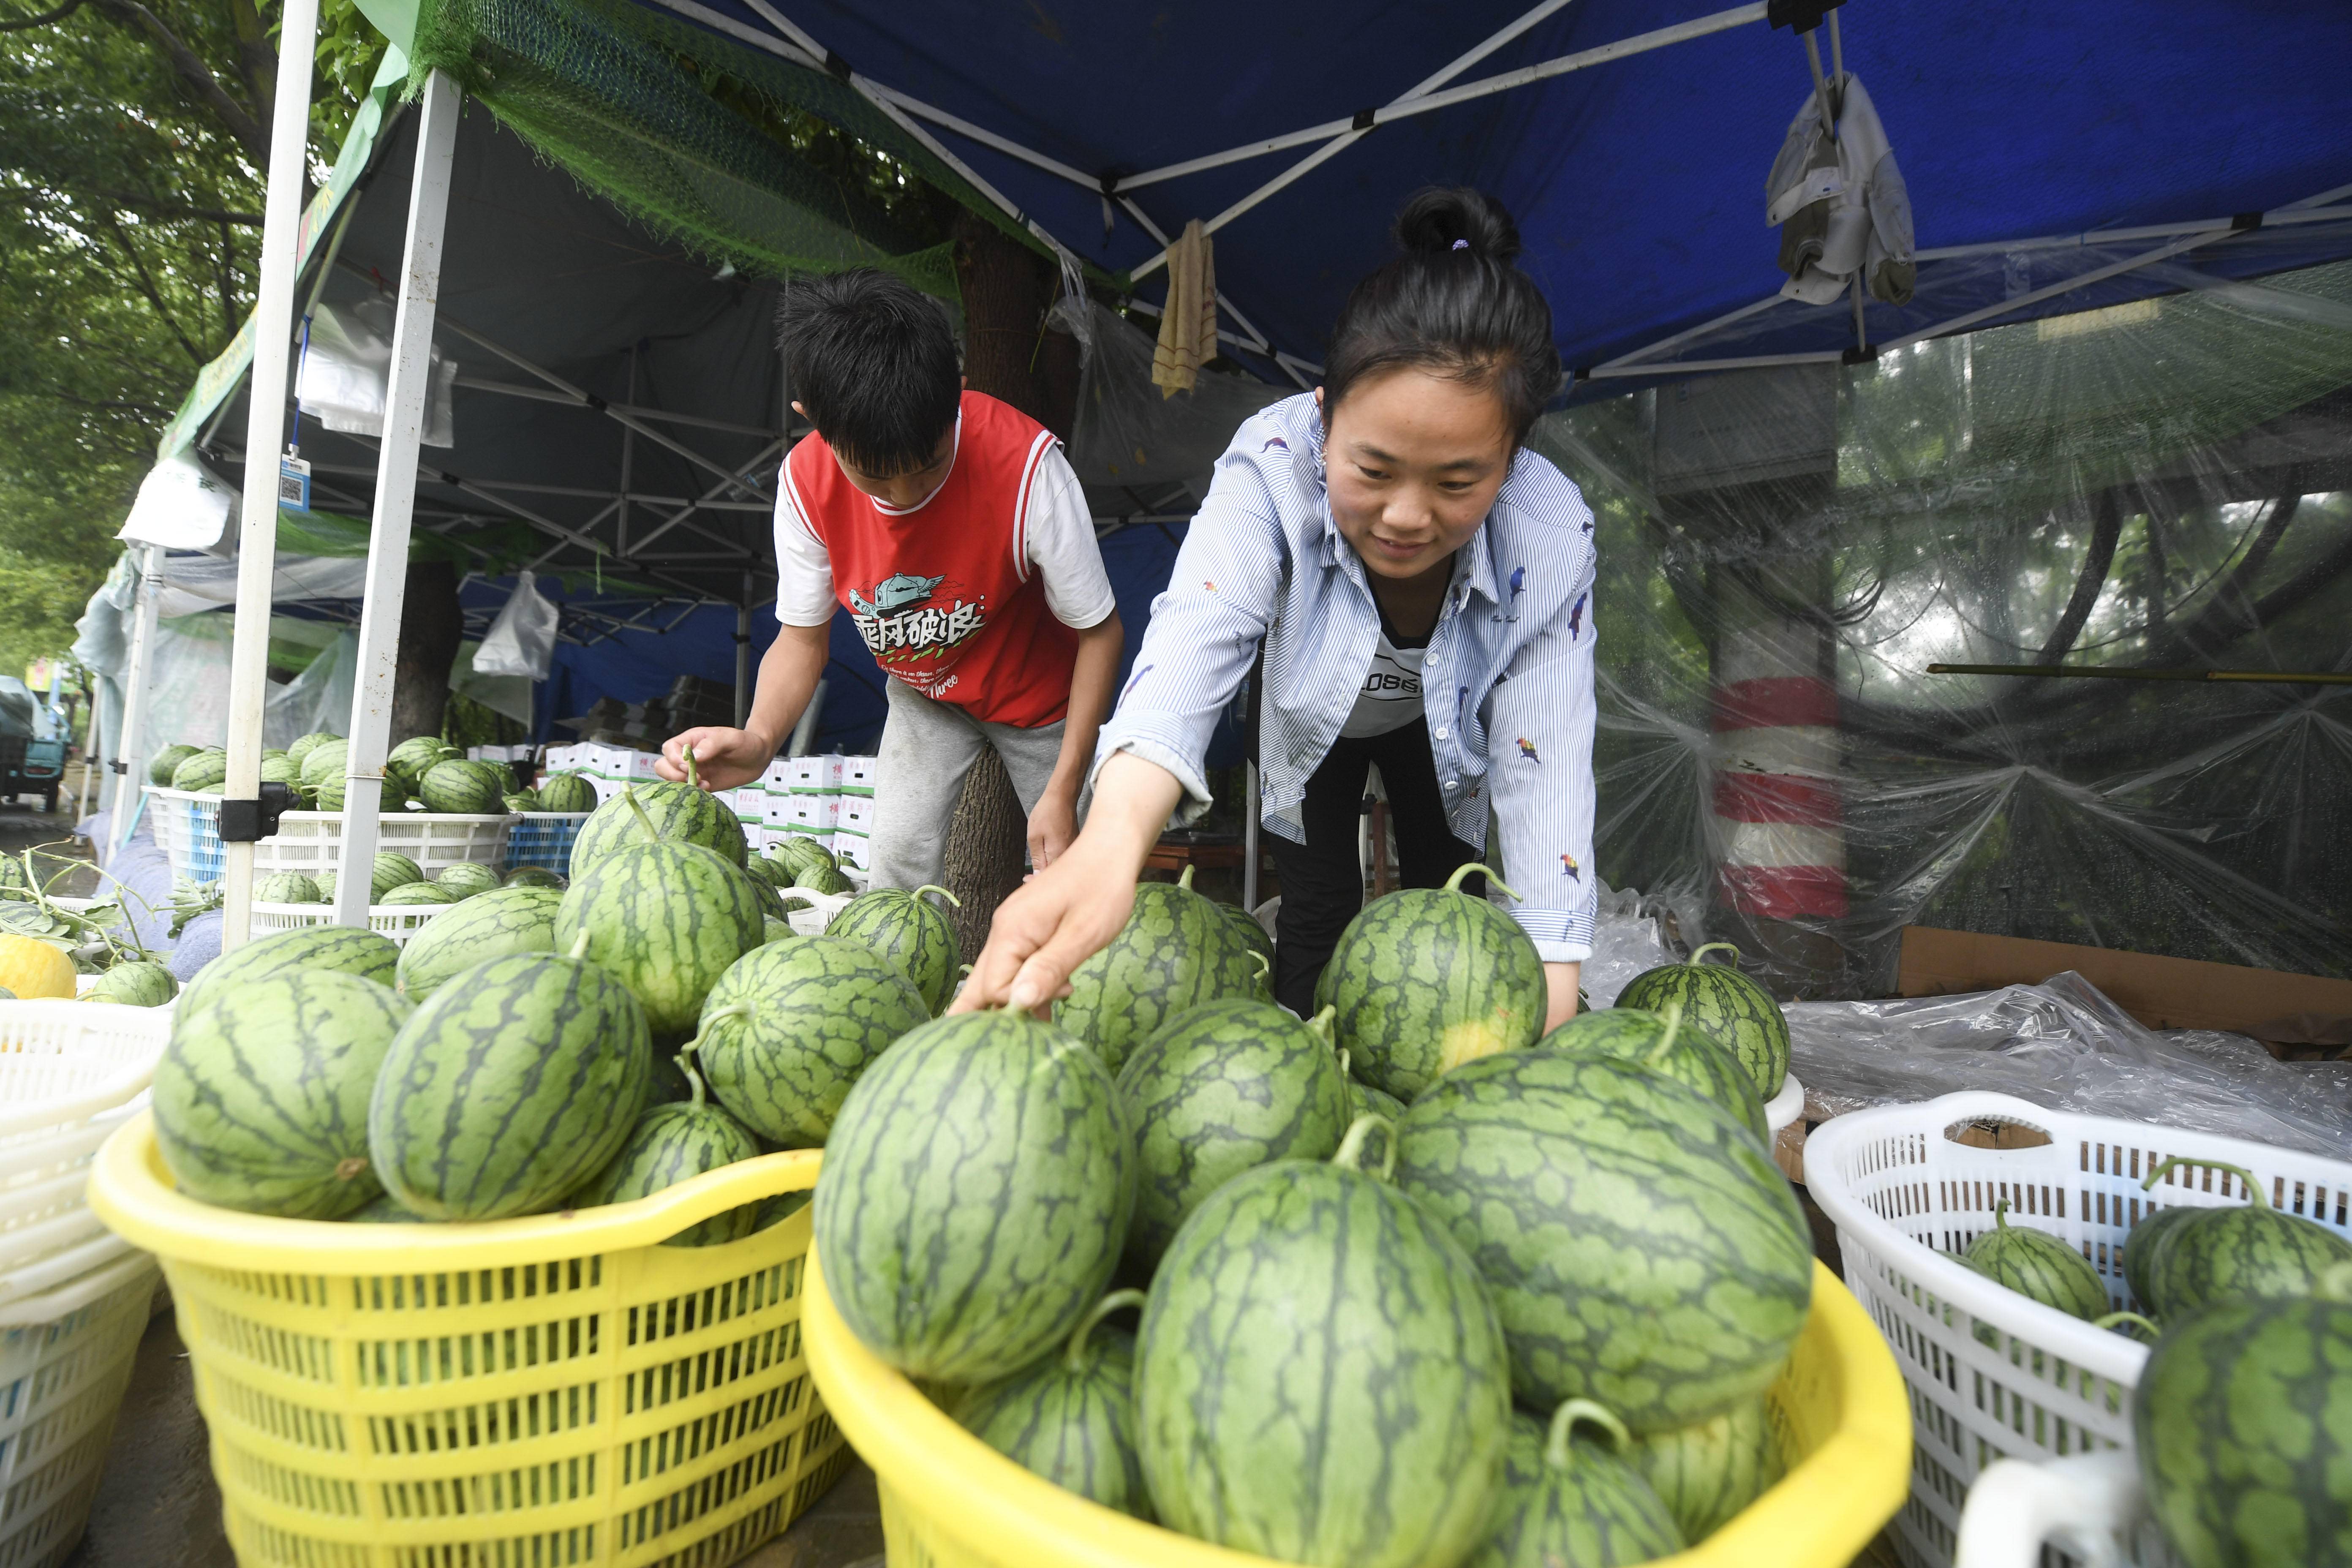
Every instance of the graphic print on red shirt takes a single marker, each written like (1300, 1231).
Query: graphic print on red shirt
(943, 594)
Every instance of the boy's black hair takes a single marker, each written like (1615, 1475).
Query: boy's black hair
(873, 362)
(1452, 303)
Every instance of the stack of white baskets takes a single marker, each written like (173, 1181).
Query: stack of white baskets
(74, 1297)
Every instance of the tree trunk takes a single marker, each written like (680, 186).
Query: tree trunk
(431, 625)
(1007, 288)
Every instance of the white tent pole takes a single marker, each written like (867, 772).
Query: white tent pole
(265, 433)
(143, 610)
(395, 497)
(90, 758)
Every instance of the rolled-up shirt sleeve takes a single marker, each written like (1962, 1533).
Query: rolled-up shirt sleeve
(1539, 722)
(1205, 628)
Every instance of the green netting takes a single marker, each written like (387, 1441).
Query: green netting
(691, 134)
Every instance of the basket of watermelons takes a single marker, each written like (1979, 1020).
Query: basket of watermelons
(2023, 1261)
(1181, 1280)
(490, 1246)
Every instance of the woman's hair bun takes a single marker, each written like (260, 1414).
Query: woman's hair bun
(1444, 218)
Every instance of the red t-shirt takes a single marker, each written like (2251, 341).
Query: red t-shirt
(943, 594)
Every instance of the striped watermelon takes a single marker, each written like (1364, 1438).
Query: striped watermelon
(1569, 1178)
(824, 878)
(779, 1208)
(667, 920)
(673, 1143)
(2038, 1267)
(1319, 1377)
(1071, 1417)
(533, 877)
(508, 1088)
(977, 1186)
(2142, 1247)
(770, 868)
(137, 982)
(1222, 1088)
(1365, 1100)
(1707, 1473)
(1569, 1498)
(329, 793)
(908, 932)
(288, 888)
(201, 770)
(327, 760)
(261, 1096)
(1245, 925)
(2242, 1427)
(1731, 1009)
(300, 750)
(789, 1025)
(1667, 1042)
(160, 765)
(279, 770)
(336, 948)
(1429, 978)
(464, 788)
(412, 893)
(466, 878)
(2255, 1251)
(1175, 952)
(566, 792)
(776, 929)
(490, 925)
(643, 812)
(393, 869)
(416, 756)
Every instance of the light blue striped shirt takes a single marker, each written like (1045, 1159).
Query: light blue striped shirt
(1507, 683)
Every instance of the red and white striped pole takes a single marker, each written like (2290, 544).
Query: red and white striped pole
(1777, 805)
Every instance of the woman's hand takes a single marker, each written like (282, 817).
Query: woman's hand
(1067, 913)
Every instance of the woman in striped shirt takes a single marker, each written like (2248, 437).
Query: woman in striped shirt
(1420, 584)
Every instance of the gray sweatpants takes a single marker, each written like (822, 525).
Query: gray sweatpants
(927, 747)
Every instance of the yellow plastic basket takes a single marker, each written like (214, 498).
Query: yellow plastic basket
(950, 1501)
(539, 1393)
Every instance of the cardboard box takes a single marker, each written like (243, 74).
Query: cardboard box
(856, 813)
(821, 772)
(2277, 1008)
(821, 812)
(858, 775)
(853, 849)
(778, 779)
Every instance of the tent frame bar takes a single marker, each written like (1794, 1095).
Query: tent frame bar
(634, 410)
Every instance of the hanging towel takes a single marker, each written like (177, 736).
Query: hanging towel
(1841, 205)
(1188, 328)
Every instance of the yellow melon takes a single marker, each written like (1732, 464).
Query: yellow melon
(30, 968)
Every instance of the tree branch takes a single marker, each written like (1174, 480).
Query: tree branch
(154, 297)
(256, 62)
(252, 134)
(170, 209)
(42, 19)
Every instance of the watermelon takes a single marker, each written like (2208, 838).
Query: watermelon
(490, 925)
(1570, 1179)
(2242, 1427)
(567, 793)
(300, 750)
(330, 794)
(520, 801)
(977, 1186)
(669, 1085)
(909, 932)
(771, 868)
(1728, 1006)
(464, 788)
(509, 1087)
(201, 771)
(2038, 1267)
(1244, 926)
(278, 770)
(261, 1096)
(464, 878)
(1071, 1417)
(789, 1025)
(327, 760)
(288, 888)
(642, 813)
(336, 948)
(2142, 1246)
(1220, 1089)
(775, 930)
(1174, 953)
(533, 877)
(2255, 1251)
(138, 982)
(1708, 1472)
(409, 893)
(1429, 978)
(825, 878)
(771, 901)
(384, 1210)
(673, 1143)
(1319, 1377)
(1666, 1042)
(393, 869)
(1367, 1100)
(414, 757)
(160, 765)
(1573, 1502)
(666, 918)
(779, 1208)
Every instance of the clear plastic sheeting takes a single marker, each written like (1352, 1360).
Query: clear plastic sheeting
(2065, 1046)
(1128, 440)
(2163, 485)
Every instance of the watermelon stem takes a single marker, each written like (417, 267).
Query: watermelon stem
(1564, 1422)
(1184, 879)
(1454, 883)
(2254, 1188)
(1731, 948)
(2112, 1318)
(686, 1059)
(935, 887)
(1351, 1148)
(1323, 1024)
(693, 777)
(2000, 1214)
(345, 1169)
(1074, 1358)
(1672, 1013)
(579, 947)
(644, 820)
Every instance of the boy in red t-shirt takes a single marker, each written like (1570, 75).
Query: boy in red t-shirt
(954, 532)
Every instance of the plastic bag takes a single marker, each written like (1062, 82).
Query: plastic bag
(521, 641)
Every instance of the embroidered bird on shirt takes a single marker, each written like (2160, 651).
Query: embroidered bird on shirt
(1527, 750)
(1568, 867)
(1576, 615)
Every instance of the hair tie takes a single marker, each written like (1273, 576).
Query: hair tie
(1461, 244)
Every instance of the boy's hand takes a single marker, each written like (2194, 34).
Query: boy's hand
(723, 759)
(1053, 824)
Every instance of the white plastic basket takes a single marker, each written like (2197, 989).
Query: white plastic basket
(1904, 1192)
(398, 921)
(69, 1074)
(2087, 1510)
(312, 841)
(1786, 1109)
(66, 1357)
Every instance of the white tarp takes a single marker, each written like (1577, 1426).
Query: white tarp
(182, 505)
(346, 365)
